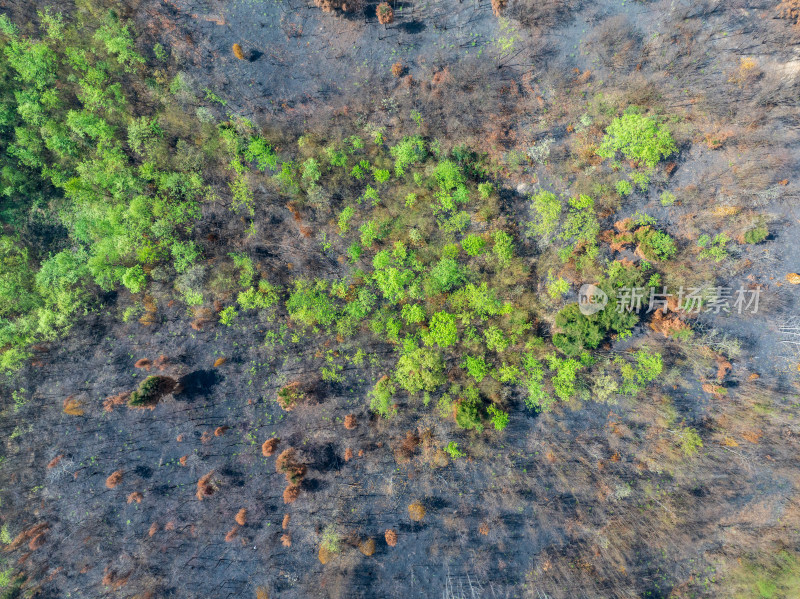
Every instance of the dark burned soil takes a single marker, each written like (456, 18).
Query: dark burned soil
(589, 500)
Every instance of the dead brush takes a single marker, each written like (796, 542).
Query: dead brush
(288, 465)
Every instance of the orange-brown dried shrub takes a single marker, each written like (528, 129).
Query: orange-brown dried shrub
(220, 362)
(269, 446)
(241, 517)
(135, 496)
(205, 486)
(350, 422)
(498, 6)
(220, 430)
(291, 493)
(143, 363)
(348, 454)
(416, 511)
(385, 13)
(391, 538)
(286, 519)
(237, 51)
(54, 462)
(398, 69)
(343, 5)
(286, 540)
(114, 479)
(72, 407)
(288, 464)
(790, 9)
(367, 547)
(153, 529)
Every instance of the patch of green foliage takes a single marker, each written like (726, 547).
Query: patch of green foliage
(638, 137)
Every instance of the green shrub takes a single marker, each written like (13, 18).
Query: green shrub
(344, 219)
(667, 198)
(442, 330)
(444, 276)
(381, 175)
(503, 247)
(473, 245)
(228, 315)
(406, 153)
(262, 298)
(310, 305)
(638, 138)
(714, 249)
(468, 414)
(477, 367)
(624, 188)
(756, 235)
(369, 233)
(453, 451)
(381, 398)
(134, 278)
(149, 392)
(420, 369)
(499, 417)
(413, 313)
(564, 382)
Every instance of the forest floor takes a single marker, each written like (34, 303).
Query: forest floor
(589, 500)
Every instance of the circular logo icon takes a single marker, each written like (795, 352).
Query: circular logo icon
(591, 299)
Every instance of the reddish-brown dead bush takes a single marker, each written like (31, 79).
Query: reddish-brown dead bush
(220, 430)
(269, 446)
(406, 448)
(343, 5)
(483, 528)
(143, 363)
(54, 462)
(398, 69)
(231, 534)
(391, 538)
(135, 496)
(348, 454)
(116, 400)
(114, 479)
(385, 13)
(288, 464)
(286, 540)
(219, 362)
(498, 6)
(241, 517)
(237, 51)
(205, 486)
(291, 493)
(114, 580)
(37, 541)
(153, 529)
(285, 523)
(183, 459)
(350, 422)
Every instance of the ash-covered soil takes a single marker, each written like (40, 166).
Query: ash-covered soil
(589, 500)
